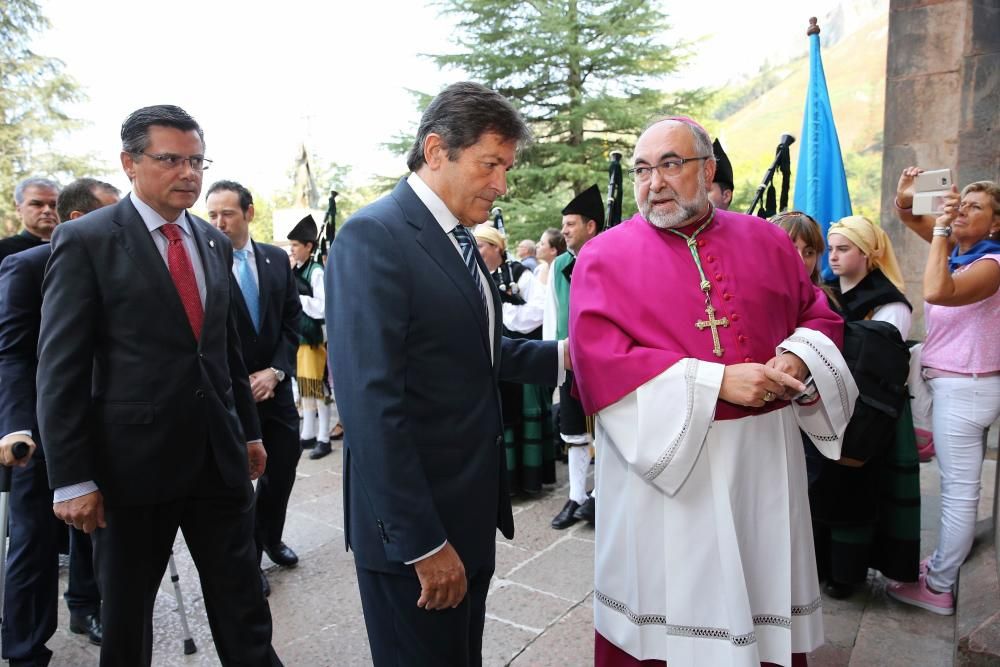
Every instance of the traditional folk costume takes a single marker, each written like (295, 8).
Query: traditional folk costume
(869, 516)
(530, 451)
(704, 553)
(573, 431)
(311, 357)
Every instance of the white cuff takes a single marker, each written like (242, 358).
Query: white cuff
(426, 555)
(72, 491)
(561, 372)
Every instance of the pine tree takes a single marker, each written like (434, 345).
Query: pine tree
(588, 76)
(33, 92)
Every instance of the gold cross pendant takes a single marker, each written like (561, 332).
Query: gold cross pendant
(714, 324)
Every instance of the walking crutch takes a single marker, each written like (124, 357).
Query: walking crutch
(19, 450)
(189, 646)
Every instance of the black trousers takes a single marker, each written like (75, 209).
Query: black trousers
(131, 556)
(31, 592)
(401, 633)
(280, 431)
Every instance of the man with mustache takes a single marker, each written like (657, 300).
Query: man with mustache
(414, 323)
(701, 347)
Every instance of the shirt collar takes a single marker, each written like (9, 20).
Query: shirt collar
(154, 220)
(434, 204)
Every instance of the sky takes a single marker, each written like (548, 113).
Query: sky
(262, 78)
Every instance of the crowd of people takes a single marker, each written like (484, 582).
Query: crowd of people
(153, 365)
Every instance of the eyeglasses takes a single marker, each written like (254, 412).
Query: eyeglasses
(171, 161)
(669, 168)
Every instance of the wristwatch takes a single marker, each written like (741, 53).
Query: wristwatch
(278, 374)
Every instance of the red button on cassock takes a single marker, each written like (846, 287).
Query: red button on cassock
(701, 243)
(741, 338)
(735, 317)
(727, 296)
(718, 276)
(748, 359)
(711, 258)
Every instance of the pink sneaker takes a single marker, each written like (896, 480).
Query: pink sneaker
(919, 595)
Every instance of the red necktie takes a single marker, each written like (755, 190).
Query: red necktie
(182, 273)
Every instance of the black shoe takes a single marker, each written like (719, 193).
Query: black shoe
(265, 585)
(338, 432)
(837, 590)
(587, 511)
(321, 450)
(308, 443)
(87, 624)
(565, 518)
(281, 554)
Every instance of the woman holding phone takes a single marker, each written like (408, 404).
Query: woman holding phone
(961, 362)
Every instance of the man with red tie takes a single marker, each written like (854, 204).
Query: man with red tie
(144, 404)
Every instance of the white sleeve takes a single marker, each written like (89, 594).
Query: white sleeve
(824, 419)
(551, 314)
(897, 314)
(661, 445)
(315, 306)
(528, 316)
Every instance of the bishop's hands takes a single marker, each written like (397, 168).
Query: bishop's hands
(442, 579)
(755, 385)
(257, 457)
(84, 512)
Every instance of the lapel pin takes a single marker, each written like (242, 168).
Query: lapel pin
(267, 260)
(211, 243)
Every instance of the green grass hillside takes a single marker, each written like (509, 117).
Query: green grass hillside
(757, 114)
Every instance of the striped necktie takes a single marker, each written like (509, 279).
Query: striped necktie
(467, 246)
(251, 295)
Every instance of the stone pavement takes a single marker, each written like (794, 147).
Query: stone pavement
(539, 607)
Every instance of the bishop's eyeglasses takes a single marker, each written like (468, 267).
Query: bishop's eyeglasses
(669, 168)
(171, 161)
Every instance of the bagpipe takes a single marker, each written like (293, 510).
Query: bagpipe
(328, 230)
(508, 273)
(782, 163)
(614, 207)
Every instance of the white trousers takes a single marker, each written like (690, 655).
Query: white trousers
(963, 409)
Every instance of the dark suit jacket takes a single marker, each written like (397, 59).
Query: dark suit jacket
(20, 316)
(416, 390)
(277, 342)
(127, 396)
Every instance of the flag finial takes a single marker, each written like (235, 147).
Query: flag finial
(813, 27)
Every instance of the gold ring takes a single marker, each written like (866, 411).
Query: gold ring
(768, 396)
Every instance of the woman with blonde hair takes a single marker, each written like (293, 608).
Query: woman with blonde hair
(866, 514)
(961, 363)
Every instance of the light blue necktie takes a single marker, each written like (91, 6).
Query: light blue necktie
(248, 286)
(467, 246)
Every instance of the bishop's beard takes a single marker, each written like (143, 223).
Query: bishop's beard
(686, 212)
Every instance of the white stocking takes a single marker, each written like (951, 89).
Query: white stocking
(579, 465)
(323, 431)
(308, 418)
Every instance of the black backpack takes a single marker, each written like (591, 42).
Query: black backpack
(879, 361)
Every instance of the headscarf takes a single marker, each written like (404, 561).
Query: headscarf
(490, 235)
(873, 242)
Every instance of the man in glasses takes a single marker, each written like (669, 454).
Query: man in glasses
(701, 347)
(145, 406)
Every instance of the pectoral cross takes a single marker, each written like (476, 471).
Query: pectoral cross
(714, 324)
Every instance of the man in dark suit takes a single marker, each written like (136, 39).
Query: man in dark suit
(267, 320)
(32, 573)
(35, 204)
(144, 405)
(417, 351)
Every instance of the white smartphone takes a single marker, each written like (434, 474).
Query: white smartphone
(931, 187)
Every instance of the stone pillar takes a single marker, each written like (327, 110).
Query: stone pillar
(942, 108)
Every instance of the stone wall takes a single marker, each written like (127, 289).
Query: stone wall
(942, 108)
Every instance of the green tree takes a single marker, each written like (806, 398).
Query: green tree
(587, 76)
(33, 93)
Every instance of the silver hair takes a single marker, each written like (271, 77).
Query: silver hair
(33, 182)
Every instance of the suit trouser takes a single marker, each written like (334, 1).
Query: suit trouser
(401, 633)
(131, 556)
(31, 593)
(280, 432)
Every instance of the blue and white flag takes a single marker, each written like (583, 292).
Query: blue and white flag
(820, 184)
